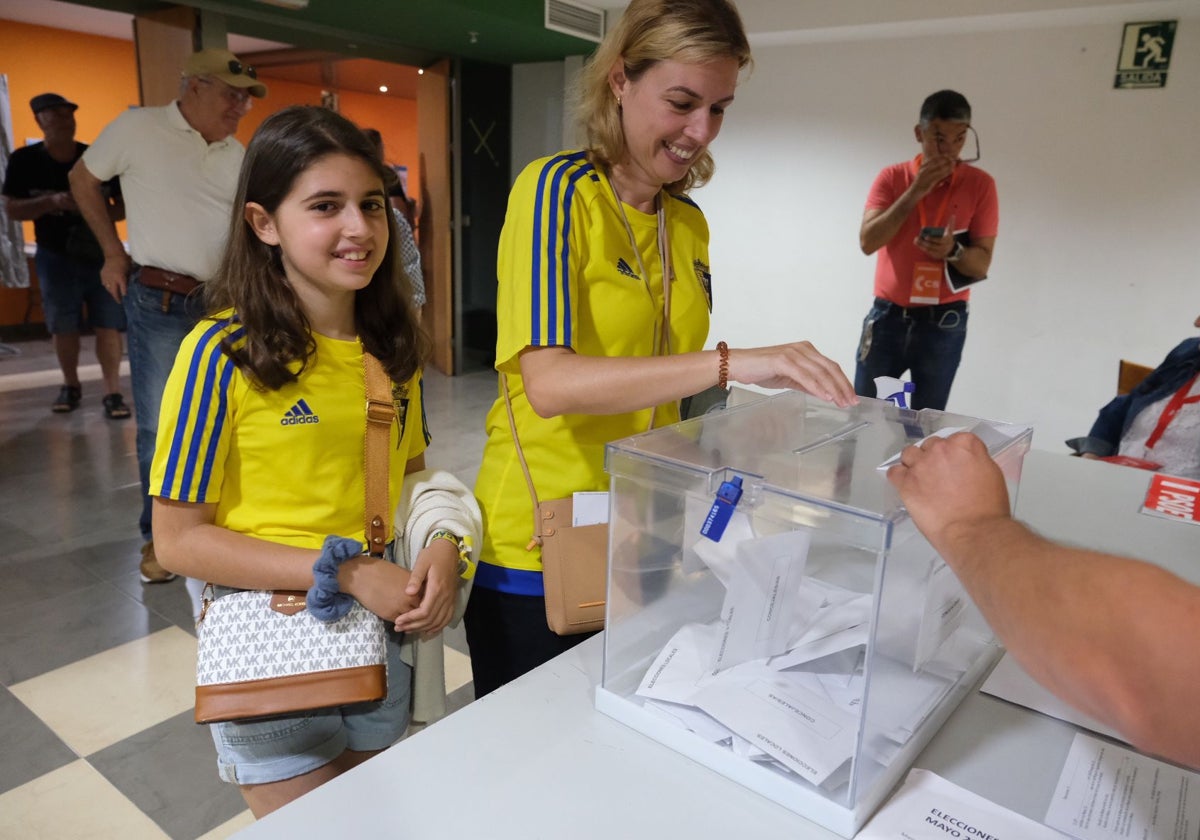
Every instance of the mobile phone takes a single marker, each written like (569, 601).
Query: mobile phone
(933, 232)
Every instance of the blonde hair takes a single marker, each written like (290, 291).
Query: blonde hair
(650, 31)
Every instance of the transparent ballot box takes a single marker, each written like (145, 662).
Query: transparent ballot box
(812, 650)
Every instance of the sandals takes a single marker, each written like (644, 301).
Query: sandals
(67, 399)
(115, 408)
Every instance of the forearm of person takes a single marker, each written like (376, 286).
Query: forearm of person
(879, 227)
(30, 209)
(976, 258)
(187, 542)
(1099, 631)
(559, 381)
(94, 207)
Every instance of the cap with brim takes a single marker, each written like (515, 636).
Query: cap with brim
(43, 101)
(220, 64)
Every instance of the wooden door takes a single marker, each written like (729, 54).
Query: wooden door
(435, 225)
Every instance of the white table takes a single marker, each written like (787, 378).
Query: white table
(535, 760)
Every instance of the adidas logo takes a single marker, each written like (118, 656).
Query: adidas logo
(623, 268)
(298, 414)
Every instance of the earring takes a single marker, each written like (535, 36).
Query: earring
(618, 103)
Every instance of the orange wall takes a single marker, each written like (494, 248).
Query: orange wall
(395, 118)
(102, 78)
(100, 75)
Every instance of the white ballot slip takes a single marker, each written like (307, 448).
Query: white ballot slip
(927, 807)
(940, 433)
(801, 730)
(762, 601)
(1110, 792)
(683, 664)
(1008, 681)
(589, 508)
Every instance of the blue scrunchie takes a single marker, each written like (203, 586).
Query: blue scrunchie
(325, 600)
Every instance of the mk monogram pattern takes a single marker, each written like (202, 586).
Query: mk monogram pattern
(241, 638)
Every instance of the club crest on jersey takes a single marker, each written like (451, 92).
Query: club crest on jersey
(299, 414)
(705, 280)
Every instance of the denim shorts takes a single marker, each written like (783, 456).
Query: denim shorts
(67, 286)
(271, 750)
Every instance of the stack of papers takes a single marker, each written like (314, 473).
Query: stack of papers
(779, 678)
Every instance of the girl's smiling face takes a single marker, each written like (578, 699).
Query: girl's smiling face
(331, 229)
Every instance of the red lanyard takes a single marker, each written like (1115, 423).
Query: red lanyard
(1178, 401)
(941, 214)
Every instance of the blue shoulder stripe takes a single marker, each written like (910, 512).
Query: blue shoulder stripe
(687, 199)
(557, 281)
(195, 402)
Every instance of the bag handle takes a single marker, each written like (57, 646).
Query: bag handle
(380, 412)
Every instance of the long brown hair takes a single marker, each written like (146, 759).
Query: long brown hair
(651, 31)
(251, 279)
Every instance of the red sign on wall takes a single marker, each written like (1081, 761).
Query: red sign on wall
(1175, 498)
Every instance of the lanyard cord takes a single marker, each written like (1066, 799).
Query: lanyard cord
(1178, 400)
(941, 214)
(664, 256)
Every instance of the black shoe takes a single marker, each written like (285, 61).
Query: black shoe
(68, 399)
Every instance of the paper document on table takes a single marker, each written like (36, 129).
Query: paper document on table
(1008, 681)
(927, 807)
(1110, 792)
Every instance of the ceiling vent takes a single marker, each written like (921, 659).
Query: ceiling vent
(575, 19)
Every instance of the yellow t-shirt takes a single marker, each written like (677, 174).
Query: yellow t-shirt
(285, 465)
(568, 277)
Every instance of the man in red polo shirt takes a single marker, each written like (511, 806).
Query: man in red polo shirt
(933, 222)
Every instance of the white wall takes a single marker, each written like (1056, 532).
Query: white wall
(1099, 198)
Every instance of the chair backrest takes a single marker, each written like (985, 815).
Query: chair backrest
(1130, 375)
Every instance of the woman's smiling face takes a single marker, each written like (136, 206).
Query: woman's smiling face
(670, 115)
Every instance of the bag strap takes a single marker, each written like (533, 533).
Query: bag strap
(536, 539)
(380, 412)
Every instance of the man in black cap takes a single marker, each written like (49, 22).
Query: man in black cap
(36, 188)
(933, 221)
(178, 166)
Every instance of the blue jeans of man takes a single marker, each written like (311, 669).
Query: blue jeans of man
(153, 336)
(925, 340)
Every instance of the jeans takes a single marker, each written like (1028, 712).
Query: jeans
(68, 285)
(926, 340)
(153, 338)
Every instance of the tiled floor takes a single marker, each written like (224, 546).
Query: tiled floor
(96, 668)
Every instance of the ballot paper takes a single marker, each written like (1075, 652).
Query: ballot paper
(684, 664)
(589, 507)
(762, 602)
(800, 729)
(1008, 681)
(1110, 792)
(927, 807)
(940, 433)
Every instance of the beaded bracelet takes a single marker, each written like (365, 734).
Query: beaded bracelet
(723, 374)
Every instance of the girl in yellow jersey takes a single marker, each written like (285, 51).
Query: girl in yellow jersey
(260, 446)
(581, 307)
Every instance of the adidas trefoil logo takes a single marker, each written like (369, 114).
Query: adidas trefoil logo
(623, 268)
(299, 414)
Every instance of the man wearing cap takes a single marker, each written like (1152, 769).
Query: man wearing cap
(933, 221)
(68, 259)
(178, 166)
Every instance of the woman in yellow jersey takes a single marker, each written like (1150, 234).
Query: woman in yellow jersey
(260, 445)
(581, 308)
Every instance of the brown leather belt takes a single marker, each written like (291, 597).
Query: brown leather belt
(168, 282)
